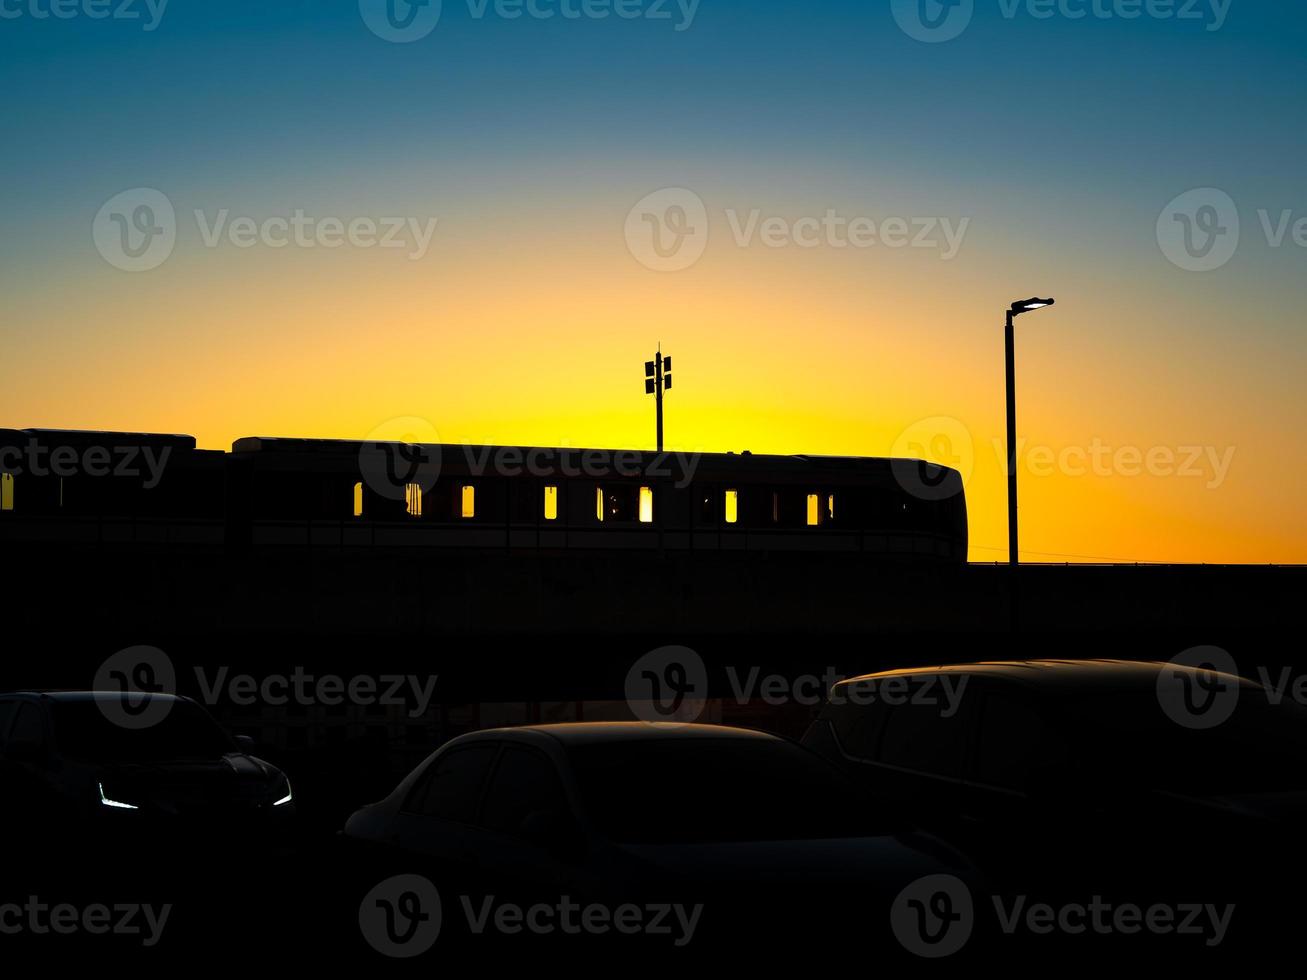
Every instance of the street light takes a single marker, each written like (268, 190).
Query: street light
(1022, 306)
(657, 379)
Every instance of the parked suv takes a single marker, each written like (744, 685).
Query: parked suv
(82, 764)
(1076, 775)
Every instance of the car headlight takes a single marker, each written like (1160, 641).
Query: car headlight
(281, 792)
(105, 801)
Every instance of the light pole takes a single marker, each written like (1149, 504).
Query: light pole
(658, 378)
(1023, 306)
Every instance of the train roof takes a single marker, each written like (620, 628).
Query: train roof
(675, 462)
(85, 438)
(338, 455)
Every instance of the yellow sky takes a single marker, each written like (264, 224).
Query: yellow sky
(787, 351)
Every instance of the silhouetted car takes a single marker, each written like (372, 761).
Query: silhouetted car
(1069, 775)
(85, 764)
(752, 825)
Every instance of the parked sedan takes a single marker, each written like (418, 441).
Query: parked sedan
(752, 827)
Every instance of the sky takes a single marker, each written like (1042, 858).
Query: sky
(316, 217)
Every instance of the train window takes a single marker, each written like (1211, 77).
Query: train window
(599, 504)
(814, 510)
(413, 499)
(6, 491)
(468, 501)
(732, 515)
(646, 505)
(551, 503)
(830, 506)
(775, 507)
(358, 500)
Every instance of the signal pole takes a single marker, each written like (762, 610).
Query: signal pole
(657, 378)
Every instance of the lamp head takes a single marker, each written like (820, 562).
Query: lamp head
(1027, 305)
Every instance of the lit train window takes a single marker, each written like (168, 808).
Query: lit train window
(413, 499)
(646, 505)
(6, 491)
(551, 503)
(358, 500)
(599, 504)
(814, 510)
(468, 507)
(830, 506)
(732, 506)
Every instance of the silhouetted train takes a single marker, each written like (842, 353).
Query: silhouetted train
(108, 487)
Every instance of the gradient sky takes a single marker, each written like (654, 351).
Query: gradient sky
(1060, 140)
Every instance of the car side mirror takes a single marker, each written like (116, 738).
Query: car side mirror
(556, 831)
(246, 743)
(27, 750)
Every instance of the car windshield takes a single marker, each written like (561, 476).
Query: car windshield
(697, 790)
(1259, 748)
(187, 732)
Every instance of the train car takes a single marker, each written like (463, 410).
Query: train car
(322, 493)
(109, 488)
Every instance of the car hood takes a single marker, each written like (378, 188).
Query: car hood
(193, 785)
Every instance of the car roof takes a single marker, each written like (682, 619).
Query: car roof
(91, 695)
(1065, 675)
(596, 732)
